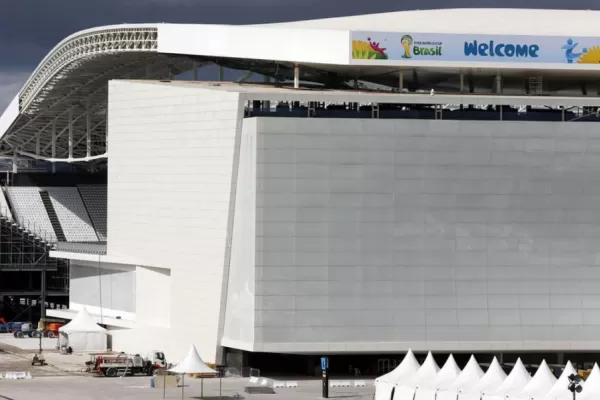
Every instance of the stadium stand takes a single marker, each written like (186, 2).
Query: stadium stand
(72, 214)
(30, 212)
(94, 199)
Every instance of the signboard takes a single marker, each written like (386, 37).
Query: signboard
(380, 48)
(324, 364)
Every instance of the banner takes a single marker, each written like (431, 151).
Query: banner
(377, 47)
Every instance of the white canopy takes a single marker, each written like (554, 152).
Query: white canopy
(192, 364)
(515, 382)
(406, 369)
(560, 390)
(541, 383)
(402, 373)
(82, 323)
(83, 333)
(447, 375)
(493, 378)
(469, 377)
(426, 373)
(591, 389)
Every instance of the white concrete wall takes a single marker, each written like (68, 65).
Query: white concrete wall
(380, 235)
(105, 288)
(154, 291)
(240, 306)
(170, 178)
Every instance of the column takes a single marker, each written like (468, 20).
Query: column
(296, 76)
(53, 145)
(194, 71)
(401, 81)
(70, 133)
(88, 131)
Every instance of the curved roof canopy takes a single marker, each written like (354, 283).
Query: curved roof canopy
(60, 113)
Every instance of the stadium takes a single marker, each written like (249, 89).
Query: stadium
(422, 179)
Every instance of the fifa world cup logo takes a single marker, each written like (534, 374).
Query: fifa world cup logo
(407, 42)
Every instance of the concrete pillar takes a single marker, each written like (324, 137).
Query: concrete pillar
(296, 76)
(53, 145)
(194, 71)
(88, 131)
(498, 84)
(401, 81)
(71, 133)
(221, 74)
(462, 83)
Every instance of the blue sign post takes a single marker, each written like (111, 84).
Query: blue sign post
(325, 371)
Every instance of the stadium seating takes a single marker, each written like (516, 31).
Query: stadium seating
(94, 198)
(29, 211)
(72, 214)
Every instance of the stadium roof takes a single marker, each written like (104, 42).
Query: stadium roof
(60, 113)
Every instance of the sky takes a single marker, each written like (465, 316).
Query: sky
(30, 28)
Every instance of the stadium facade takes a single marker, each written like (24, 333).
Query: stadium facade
(455, 208)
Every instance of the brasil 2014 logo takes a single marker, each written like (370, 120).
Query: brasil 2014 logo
(420, 48)
(407, 43)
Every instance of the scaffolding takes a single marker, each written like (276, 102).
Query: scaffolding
(27, 272)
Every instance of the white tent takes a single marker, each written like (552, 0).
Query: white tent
(404, 371)
(493, 378)
(425, 375)
(540, 384)
(445, 376)
(591, 389)
(560, 390)
(465, 382)
(83, 333)
(192, 364)
(448, 374)
(514, 383)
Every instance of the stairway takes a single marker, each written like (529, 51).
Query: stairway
(58, 231)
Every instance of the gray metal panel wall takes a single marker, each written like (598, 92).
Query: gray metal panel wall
(378, 235)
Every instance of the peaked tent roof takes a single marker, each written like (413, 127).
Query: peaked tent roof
(591, 389)
(561, 387)
(405, 370)
(192, 364)
(82, 323)
(493, 378)
(543, 380)
(426, 373)
(447, 374)
(469, 377)
(516, 381)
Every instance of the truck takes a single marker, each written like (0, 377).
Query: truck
(125, 364)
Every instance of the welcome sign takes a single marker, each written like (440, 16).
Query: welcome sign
(385, 48)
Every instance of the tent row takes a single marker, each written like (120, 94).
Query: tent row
(412, 381)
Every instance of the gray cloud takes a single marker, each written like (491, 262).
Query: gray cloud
(30, 28)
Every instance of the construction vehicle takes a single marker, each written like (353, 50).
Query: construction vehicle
(24, 330)
(124, 364)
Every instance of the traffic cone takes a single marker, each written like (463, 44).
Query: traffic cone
(28, 376)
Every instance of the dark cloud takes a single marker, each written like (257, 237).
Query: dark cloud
(30, 28)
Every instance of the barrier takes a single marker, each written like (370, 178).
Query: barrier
(291, 384)
(253, 379)
(278, 384)
(360, 384)
(18, 375)
(340, 383)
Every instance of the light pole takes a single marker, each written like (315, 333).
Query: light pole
(574, 385)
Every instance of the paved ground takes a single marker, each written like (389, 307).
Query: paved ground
(22, 363)
(138, 388)
(29, 344)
